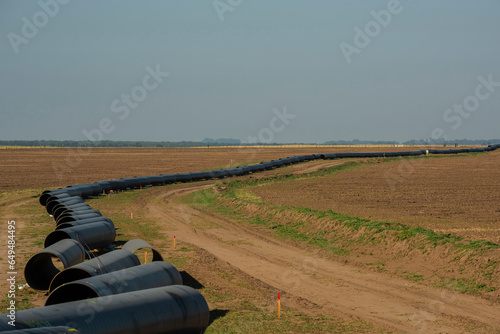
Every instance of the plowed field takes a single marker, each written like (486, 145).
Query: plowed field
(23, 168)
(458, 195)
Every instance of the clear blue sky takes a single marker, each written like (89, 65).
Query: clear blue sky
(232, 62)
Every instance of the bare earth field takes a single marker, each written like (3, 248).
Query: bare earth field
(458, 195)
(28, 168)
(377, 285)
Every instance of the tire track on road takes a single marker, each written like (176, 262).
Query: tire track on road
(335, 288)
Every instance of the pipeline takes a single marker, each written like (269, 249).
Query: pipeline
(40, 270)
(146, 276)
(65, 209)
(92, 235)
(83, 222)
(77, 216)
(63, 195)
(106, 263)
(171, 309)
(53, 204)
(136, 244)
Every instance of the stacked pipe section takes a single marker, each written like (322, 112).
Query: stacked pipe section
(155, 288)
(169, 309)
(75, 219)
(106, 263)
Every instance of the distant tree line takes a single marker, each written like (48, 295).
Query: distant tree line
(229, 142)
(222, 141)
(103, 143)
(361, 142)
(451, 142)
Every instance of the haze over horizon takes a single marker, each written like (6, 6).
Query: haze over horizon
(282, 71)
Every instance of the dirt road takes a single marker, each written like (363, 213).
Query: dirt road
(318, 285)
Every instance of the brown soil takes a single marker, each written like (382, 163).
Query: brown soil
(458, 195)
(30, 168)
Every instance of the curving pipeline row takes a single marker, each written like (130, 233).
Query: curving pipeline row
(68, 206)
(115, 281)
(114, 289)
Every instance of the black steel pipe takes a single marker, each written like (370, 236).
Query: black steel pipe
(71, 217)
(76, 212)
(184, 177)
(136, 244)
(84, 190)
(54, 192)
(156, 180)
(58, 197)
(118, 184)
(79, 212)
(136, 182)
(83, 222)
(171, 309)
(52, 204)
(91, 189)
(146, 276)
(103, 264)
(70, 205)
(91, 235)
(40, 270)
(70, 209)
(198, 176)
(105, 186)
(169, 178)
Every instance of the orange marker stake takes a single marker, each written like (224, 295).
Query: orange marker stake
(146, 257)
(279, 305)
(174, 241)
(131, 214)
